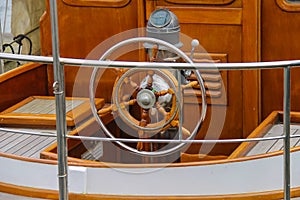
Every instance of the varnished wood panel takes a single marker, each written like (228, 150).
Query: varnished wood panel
(22, 82)
(97, 3)
(83, 25)
(202, 15)
(201, 2)
(288, 6)
(280, 41)
(230, 28)
(233, 29)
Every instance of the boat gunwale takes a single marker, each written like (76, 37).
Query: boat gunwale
(94, 164)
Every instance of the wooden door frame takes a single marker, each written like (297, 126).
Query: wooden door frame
(251, 45)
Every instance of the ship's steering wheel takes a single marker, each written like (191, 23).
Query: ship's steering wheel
(147, 95)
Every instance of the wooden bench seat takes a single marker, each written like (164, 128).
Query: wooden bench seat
(272, 126)
(40, 111)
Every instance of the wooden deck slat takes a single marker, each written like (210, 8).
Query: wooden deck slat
(9, 139)
(33, 142)
(3, 136)
(48, 109)
(46, 106)
(279, 143)
(21, 145)
(35, 152)
(25, 144)
(275, 145)
(17, 141)
(31, 145)
(263, 146)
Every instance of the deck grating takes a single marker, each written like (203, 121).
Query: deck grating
(28, 145)
(46, 106)
(268, 146)
(25, 144)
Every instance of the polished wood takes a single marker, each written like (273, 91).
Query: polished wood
(288, 6)
(204, 15)
(199, 157)
(223, 27)
(83, 27)
(21, 83)
(279, 39)
(251, 45)
(202, 2)
(215, 81)
(97, 3)
(242, 30)
(232, 29)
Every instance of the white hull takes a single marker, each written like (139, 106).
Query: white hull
(228, 178)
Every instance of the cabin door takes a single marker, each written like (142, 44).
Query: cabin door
(229, 31)
(280, 41)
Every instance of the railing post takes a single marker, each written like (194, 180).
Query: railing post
(286, 130)
(1, 44)
(59, 91)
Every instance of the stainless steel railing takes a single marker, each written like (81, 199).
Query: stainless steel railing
(58, 86)
(59, 63)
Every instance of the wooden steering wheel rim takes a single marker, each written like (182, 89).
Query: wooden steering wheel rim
(134, 123)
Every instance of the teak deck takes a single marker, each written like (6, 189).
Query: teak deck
(37, 114)
(24, 144)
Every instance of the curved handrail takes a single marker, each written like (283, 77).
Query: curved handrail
(123, 64)
(155, 65)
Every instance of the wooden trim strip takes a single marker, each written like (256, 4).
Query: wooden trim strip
(201, 2)
(224, 16)
(96, 164)
(251, 53)
(98, 3)
(52, 194)
(28, 191)
(288, 7)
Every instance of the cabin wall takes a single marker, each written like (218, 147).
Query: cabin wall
(27, 80)
(227, 29)
(230, 28)
(83, 25)
(280, 41)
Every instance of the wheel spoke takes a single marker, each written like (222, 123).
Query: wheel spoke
(154, 53)
(161, 109)
(190, 85)
(164, 92)
(145, 120)
(150, 80)
(106, 110)
(113, 107)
